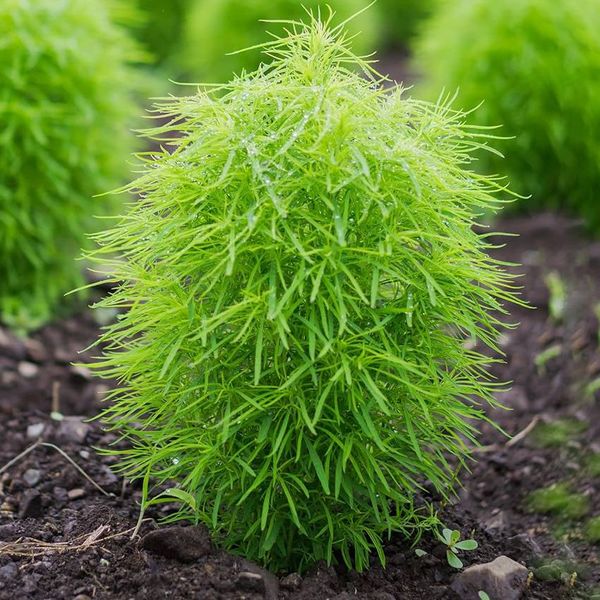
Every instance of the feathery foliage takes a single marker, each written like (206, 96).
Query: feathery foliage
(215, 28)
(301, 273)
(535, 66)
(66, 103)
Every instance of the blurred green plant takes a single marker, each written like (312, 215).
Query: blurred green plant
(557, 296)
(557, 434)
(592, 530)
(534, 64)
(302, 271)
(215, 28)
(402, 19)
(558, 499)
(66, 103)
(161, 28)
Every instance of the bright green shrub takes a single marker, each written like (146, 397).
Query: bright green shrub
(535, 64)
(403, 18)
(215, 28)
(301, 274)
(65, 101)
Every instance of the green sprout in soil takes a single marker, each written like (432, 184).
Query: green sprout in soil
(216, 29)
(66, 103)
(301, 273)
(559, 500)
(557, 291)
(451, 538)
(533, 66)
(592, 530)
(546, 356)
(557, 433)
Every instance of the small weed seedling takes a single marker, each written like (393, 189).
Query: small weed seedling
(557, 291)
(451, 539)
(547, 355)
(483, 595)
(300, 274)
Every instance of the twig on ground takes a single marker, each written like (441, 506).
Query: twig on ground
(513, 440)
(32, 547)
(37, 444)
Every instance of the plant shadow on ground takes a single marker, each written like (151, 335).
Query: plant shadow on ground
(73, 540)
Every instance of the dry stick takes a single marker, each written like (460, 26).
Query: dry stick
(32, 547)
(55, 397)
(31, 448)
(513, 441)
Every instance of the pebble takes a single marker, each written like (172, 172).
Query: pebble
(251, 582)
(35, 431)
(73, 429)
(502, 578)
(81, 372)
(185, 544)
(76, 494)
(36, 350)
(27, 369)
(30, 505)
(292, 581)
(32, 477)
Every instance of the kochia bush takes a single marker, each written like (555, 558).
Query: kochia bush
(301, 272)
(215, 28)
(66, 103)
(534, 64)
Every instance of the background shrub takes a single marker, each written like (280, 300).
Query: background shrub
(301, 273)
(162, 23)
(66, 102)
(402, 19)
(216, 27)
(535, 64)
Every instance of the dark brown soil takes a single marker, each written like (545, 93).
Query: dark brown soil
(63, 538)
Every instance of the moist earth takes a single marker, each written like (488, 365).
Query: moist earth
(68, 533)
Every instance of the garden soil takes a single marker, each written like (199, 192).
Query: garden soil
(69, 533)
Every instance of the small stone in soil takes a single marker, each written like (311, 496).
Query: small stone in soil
(35, 431)
(30, 505)
(73, 429)
(502, 578)
(251, 582)
(32, 477)
(76, 494)
(27, 369)
(185, 544)
(292, 581)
